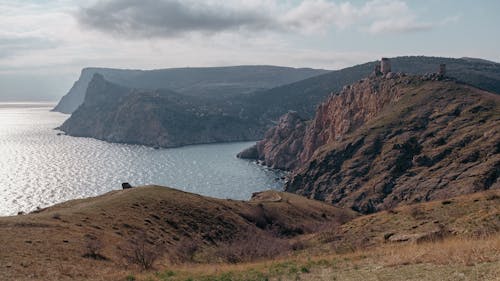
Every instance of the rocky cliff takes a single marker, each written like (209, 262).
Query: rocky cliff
(281, 144)
(381, 142)
(161, 118)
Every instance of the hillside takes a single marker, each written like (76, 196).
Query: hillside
(201, 238)
(214, 82)
(304, 96)
(186, 226)
(158, 117)
(386, 141)
(162, 118)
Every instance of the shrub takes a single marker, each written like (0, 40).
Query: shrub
(93, 248)
(252, 247)
(416, 212)
(183, 251)
(141, 251)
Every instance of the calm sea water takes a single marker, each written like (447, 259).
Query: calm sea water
(40, 168)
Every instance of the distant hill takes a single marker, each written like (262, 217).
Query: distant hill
(215, 82)
(168, 118)
(115, 113)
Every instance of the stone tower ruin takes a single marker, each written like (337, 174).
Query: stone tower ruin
(376, 70)
(442, 70)
(385, 65)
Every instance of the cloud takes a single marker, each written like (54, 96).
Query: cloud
(175, 18)
(376, 16)
(169, 18)
(11, 45)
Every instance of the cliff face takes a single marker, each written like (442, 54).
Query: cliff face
(162, 118)
(355, 105)
(293, 141)
(281, 144)
(382, 142)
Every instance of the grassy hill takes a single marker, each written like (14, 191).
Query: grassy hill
(274, 236)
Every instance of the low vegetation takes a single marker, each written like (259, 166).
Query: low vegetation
(156, 233)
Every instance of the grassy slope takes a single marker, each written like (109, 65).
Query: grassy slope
(466, 254)
(50, 244)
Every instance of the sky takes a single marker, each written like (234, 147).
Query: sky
(44, 44)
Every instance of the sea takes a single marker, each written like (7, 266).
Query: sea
(40, 167)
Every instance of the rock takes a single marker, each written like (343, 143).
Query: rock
(281, 145)
(126, 185)
(385, 142)
(266, 196)
(249, 153)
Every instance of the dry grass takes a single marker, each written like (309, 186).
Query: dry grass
(205, 236)
(54, 242)
(449, 259)
(458, 251)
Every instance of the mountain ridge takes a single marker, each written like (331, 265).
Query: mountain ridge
(246, 117)
(217, 82)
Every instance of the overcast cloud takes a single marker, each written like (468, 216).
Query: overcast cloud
(172, 18)
(169, 18)
(44, 44)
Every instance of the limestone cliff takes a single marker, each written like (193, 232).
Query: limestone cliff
(281, 144)
(386, 141)
(162, 118)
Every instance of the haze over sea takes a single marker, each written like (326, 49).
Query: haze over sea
(38, 168)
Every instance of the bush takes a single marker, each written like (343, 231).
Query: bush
(252, 247)
(93, 248)
(184, 251)
(416, 212)
(141, 251)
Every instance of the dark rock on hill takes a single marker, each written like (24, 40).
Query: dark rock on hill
(215, 82)
(382, 142)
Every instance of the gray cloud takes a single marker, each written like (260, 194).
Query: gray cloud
(12, 45)
(169, 18)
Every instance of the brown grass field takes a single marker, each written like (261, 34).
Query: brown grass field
(275, 236)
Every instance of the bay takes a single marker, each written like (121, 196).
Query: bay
(39, 168)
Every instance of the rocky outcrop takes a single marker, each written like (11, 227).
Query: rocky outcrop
(159, 118)
(395, 140)
(281, 144)
(291, 143)
(351, 108)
